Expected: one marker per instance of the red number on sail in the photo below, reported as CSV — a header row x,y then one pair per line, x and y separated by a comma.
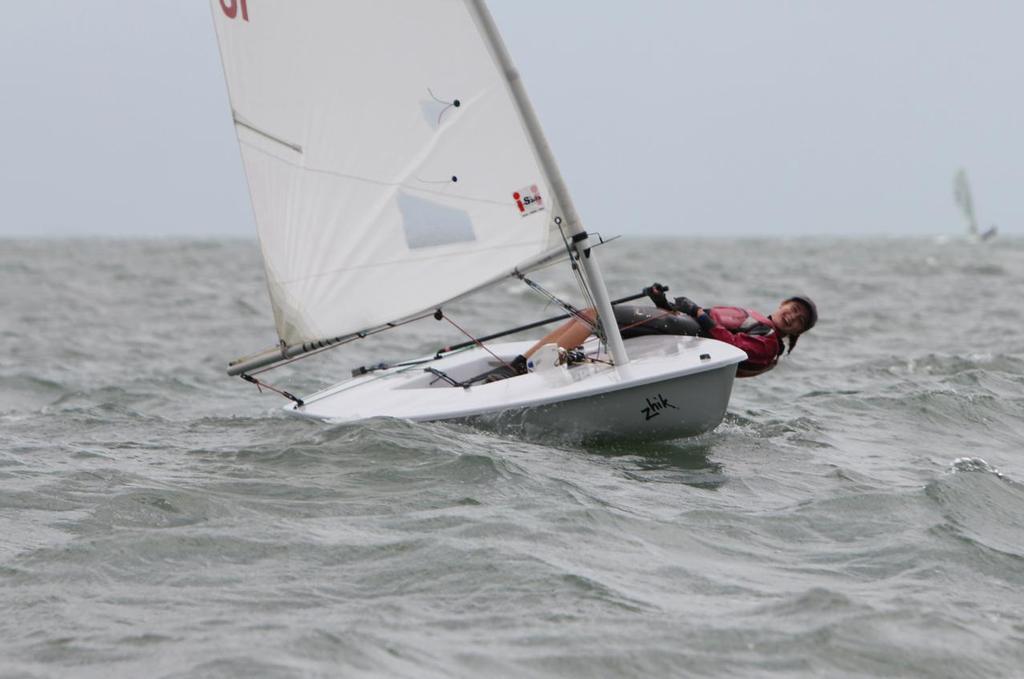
x,y
230,8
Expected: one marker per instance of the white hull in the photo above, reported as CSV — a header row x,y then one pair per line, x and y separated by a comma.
x,y
672,387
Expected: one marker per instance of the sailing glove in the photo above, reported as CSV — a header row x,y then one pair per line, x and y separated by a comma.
x,y
687,306
656,292
706,323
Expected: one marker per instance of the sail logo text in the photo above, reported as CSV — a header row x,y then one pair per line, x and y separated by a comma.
x,y
655,407
528,200
230,8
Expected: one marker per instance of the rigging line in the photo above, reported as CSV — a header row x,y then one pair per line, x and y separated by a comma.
x,y
565,241
573,311
552,298
585,291
575,267
353,338
663,314
263,385
504,333
582,283
475,340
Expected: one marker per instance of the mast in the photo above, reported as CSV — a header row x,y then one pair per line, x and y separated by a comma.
x,y
580,238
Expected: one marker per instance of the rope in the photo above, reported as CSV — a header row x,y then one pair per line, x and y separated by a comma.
x,y
580,281
573,311
475,340
358,336
263,385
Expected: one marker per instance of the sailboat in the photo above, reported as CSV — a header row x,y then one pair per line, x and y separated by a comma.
x,y
395,163
962,196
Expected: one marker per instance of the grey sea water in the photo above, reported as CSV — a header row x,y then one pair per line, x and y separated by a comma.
x,y
860,512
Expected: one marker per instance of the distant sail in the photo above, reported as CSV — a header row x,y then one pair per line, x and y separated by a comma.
x,y
962,195
388,164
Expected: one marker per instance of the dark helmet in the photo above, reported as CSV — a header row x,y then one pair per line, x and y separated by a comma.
x,y
812,309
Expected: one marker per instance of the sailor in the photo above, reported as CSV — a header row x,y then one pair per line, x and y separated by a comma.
x,y
760,336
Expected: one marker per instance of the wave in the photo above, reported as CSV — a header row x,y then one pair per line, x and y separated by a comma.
x,y
982,507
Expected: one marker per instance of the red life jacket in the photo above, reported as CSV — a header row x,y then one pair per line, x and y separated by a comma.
x,y
734,319
749,322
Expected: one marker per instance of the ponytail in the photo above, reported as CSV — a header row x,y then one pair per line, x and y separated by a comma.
x,y
792,343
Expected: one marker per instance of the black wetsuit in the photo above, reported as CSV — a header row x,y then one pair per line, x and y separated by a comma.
x,y
635,321
747,330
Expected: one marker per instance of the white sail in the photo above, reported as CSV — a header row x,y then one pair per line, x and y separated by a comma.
x,y
388,165
962,196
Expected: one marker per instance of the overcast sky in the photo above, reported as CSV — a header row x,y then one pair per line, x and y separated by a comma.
x,y
667,116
